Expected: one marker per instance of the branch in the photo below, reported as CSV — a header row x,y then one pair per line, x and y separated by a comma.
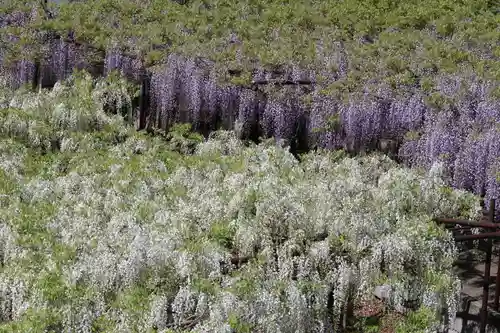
x,y
238,261
282,82
188,323
48,13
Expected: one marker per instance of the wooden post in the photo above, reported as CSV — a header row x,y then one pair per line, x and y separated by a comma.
x,y
497,281
487,270
486,286
144,101
36,77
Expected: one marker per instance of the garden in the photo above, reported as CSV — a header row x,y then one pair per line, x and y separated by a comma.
x,y
219,168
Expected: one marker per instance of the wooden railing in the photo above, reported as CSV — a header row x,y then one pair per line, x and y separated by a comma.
x,y
490,231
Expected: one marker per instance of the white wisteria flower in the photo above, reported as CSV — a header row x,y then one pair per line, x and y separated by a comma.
x,y
124,235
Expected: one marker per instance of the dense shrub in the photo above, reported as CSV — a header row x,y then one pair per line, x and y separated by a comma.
x,y
422,73
126,235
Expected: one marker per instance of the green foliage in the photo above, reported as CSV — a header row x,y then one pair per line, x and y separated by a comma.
x,y
412,135
134,301
223,234
368,325
333,123
51,285
238,325
181,138
8,185
184,131
407,35
44,320
103,324
418,321
438,101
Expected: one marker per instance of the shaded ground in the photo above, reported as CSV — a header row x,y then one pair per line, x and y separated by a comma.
x,y
470,268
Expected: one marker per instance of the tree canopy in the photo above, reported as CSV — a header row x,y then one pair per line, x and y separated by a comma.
x,y
399,42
